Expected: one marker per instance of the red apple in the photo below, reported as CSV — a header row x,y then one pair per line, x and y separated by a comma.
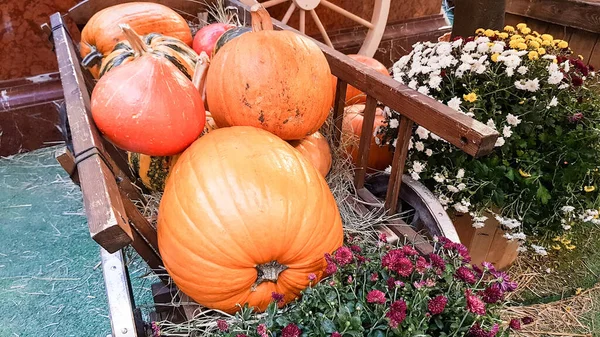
x,y
207,36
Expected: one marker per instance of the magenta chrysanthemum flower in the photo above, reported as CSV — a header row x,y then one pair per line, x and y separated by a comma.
x,y
422,265
312,277
488,266
515,324
360,259
241,335
343,256
376,296
331,268
504,280
527,320
463,252
474,303
404,267
261,329
155,329
291,330
437,304
492,294
397,313
383,237
494,330
350,279
277,297
356,248
466,275
222,325
374,277
410,251
438,262
390,260
477,331
336,334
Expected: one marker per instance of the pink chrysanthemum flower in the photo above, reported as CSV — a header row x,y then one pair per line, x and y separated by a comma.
x,y
474,303
374,277
437,304
291,330
492,294
466,275
515,324
422,265
410,251
404,267
312,277
277,297
376,296
336,334
390,259
397,313
241,335
438,262
222,325
343,256
261,329
356,248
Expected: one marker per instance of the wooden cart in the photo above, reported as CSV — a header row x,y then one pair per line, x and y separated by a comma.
x,y
108,185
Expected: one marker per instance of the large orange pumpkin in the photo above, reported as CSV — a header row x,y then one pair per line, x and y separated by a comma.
x,y
274,80
380,157
353,95
244,215
102,33
316,149
149,106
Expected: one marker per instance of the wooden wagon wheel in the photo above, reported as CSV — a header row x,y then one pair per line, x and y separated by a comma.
x,y
376,26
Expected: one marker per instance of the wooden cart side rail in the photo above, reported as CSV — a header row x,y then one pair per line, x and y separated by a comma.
x,y
580,14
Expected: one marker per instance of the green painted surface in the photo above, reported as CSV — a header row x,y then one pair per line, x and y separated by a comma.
x,y
51,281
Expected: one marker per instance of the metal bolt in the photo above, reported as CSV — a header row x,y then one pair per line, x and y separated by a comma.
x,y
124,330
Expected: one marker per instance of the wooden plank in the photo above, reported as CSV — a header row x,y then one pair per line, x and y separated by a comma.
x,y
365,142
84,10
582,43
571,13
67,162
106,216
369,199
393,193
513,20
470,15
558,32
537,25
402,229
338,111
595,55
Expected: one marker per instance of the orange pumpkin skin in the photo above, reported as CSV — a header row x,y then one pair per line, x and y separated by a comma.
x,y
238,198
353,95
102,33
278,81
316,149
380,157
148,106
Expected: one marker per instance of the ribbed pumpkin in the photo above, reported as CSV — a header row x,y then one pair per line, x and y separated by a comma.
x,y
353,95
229,35
148,106
244,215
279,81
102,33
316,149
177,52
380,157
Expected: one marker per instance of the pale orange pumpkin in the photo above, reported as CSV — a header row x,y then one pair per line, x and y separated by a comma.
x,y
380,157
353,95
278,81
316,149
244,215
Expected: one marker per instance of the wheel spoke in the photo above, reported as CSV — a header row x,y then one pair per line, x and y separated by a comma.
x,y
321,28
272,3
347,14
289,13
302,21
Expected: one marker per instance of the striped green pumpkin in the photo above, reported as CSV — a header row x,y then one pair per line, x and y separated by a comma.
x,y
229,35
174,50
152,170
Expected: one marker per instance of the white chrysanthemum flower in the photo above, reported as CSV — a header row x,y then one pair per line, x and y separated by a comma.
x,y
452,188
444,48
511,61
429,152
522,70
415,176
553,102
521,249
419,146
396,141
555,77
422,132
553,67
467,59
470,46
454,103
444,200
500,142
403,61
567,66
460,174
483,48
387,111
461,186
513,120
446,61
539,250
563,86
438,177
566,227
507,132
457,43
519,236
413,84
478,225
567,209
388,170
434,136
549,57
491,123
394,123
482,39
520,85
461,208
399,78
497,48
418,166
510,72
435,81
507,236
529,85
482,218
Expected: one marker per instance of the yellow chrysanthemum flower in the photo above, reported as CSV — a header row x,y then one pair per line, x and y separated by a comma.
x,y
555,61
534,44
521,25
546,43
489,33
529,37
533,55
565,241
472,97
556,247
495,57
571,247
563,44
541,51
479,31
581,58
525,30
589,189
524,174
556,239
503,36
522,102
578,291
509,28
514,43
522,45
538,40
547,37
516,37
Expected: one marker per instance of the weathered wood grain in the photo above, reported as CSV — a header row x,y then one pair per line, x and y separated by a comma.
x,y
580,14
365,142
338,111
469,15
107,218
393,192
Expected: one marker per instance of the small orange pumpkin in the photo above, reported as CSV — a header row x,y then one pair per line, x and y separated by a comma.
x,y
278,81
244,215
316,149
380,157
353,95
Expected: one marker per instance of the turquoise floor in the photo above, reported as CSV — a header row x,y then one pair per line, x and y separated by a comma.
x,y
50,276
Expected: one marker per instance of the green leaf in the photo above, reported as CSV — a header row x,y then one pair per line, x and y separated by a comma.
x,y
510,175
542,194
328,326
439,323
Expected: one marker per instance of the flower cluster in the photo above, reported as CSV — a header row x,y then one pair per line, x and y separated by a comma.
x,y
391,291
543,102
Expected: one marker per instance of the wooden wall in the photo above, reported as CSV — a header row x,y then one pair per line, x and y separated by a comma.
x,y
575,21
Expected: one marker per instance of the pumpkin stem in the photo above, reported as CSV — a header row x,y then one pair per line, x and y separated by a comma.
x,y
136,42
200,72
261,20
268,272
